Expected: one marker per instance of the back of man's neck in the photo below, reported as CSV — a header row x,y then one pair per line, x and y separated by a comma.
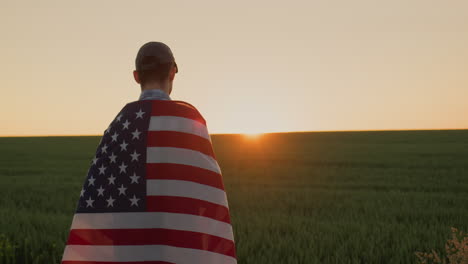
x,y
156,87
154,94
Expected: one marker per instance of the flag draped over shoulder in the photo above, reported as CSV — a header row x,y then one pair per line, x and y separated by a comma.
x,y
154,193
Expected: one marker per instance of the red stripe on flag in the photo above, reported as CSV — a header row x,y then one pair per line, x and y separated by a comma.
x,y
176,108
111,262
184,205
152,236
175,171
179,140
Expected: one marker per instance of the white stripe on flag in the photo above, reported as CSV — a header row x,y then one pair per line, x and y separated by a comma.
x,y
144,253
179,124
139,220
181,156
186,189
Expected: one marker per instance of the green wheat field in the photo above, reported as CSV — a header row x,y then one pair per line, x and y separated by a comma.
x,y
319,197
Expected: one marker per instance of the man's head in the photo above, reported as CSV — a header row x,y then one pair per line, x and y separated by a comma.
x,y
155,67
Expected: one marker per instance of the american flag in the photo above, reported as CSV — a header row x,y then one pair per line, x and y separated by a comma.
x,y
154,193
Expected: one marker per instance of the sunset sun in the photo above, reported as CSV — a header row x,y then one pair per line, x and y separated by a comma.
x,y
252,135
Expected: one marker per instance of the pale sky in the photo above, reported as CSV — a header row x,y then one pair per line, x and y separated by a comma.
x,y
248,66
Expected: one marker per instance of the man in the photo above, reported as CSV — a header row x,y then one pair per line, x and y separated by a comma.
x,y
154,192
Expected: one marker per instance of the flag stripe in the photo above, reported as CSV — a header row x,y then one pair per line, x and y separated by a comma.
x,y
178,124
142,253
183,205
181,156
185,173
152,236
180,140
136,220
186,189
174,108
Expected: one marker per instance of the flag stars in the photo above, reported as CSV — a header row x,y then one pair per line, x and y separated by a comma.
x,y
123,146
91,180
89,202
126,124
112,158
104,149
139,114
102,169
118,117
134,178
100,191
115,175
111,179
107,130
123,168
135,156
122,190
110,201
134,201
136,134
114,137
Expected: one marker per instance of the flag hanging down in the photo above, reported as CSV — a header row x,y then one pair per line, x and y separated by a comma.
x,y
154,193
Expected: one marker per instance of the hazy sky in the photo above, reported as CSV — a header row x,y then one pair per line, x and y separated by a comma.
x,y
248,66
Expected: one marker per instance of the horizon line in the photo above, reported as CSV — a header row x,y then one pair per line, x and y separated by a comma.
x,y
261,133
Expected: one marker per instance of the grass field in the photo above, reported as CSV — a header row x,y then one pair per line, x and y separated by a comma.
x,y
331,197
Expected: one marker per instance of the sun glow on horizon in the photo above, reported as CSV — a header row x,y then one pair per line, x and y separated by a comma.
x,y
252,135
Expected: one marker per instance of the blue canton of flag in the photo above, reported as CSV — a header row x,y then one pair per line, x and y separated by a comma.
x,y
116,178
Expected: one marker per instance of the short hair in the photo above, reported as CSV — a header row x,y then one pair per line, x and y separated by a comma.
x,y
158,74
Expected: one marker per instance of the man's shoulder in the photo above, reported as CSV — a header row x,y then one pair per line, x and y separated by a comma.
x,y
163,103
188,110
170,108
185,104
